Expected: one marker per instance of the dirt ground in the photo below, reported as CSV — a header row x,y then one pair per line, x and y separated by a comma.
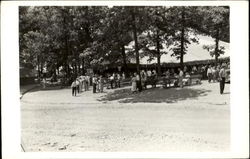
x,y
195,118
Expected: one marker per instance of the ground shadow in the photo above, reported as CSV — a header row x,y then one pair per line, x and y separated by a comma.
x,y
155,95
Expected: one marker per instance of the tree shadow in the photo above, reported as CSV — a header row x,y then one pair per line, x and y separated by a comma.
x,y
155,95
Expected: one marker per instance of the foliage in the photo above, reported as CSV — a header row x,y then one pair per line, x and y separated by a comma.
x,y
72,38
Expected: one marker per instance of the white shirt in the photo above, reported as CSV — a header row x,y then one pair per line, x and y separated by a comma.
x,y
209,70
181,74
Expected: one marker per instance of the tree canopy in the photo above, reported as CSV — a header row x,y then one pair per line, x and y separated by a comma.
x,y
71,39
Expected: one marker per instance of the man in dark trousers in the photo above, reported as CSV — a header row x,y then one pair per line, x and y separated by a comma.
x,y
222,77
94,81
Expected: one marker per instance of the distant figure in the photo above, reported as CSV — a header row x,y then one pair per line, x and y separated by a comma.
x,y
168,82
181,74
194,70
97,84
44,83
123,76
94,82
73,86
222,77
214,73
111,79
143,80
217,73
133,80
149,73
185,69
78,85
209,73
186,80
118,80
101,83
138,84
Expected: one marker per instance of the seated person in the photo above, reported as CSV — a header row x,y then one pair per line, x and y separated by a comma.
x,y
186,80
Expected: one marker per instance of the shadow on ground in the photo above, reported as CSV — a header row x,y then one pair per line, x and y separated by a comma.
x,y
155,95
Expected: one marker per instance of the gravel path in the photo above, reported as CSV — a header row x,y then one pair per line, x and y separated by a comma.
x,y
55,121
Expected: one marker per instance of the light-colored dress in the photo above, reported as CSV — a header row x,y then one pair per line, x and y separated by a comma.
x,y
133,89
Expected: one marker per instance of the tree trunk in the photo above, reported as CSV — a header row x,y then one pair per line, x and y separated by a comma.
x,y
66,51
136,42
216,54
158,53
182,38
124,60
83,71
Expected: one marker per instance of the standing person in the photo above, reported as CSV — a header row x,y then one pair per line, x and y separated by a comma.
x,y
94,81
209,73
44,82
97,84
217,73
84,83
73,86
138,84
123,76
118,80
78,85
194,70
168,82
133,80
101,83
143,80
222,77
87,82
111,79
214,73
149,73
181,74
185,69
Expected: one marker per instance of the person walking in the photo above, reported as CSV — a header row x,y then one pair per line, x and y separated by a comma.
x,y
73,86
222,77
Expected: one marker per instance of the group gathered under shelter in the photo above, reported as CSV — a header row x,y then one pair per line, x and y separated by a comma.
x,y
170,78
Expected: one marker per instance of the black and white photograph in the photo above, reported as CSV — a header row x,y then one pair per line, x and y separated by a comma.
x,y
125,78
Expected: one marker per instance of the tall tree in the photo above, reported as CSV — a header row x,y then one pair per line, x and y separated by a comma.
x,y
216,24
182,20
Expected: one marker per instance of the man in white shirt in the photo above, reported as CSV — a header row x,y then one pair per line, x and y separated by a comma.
x,y
209,73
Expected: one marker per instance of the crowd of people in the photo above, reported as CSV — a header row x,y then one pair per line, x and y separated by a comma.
x,y
82,83
179,78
